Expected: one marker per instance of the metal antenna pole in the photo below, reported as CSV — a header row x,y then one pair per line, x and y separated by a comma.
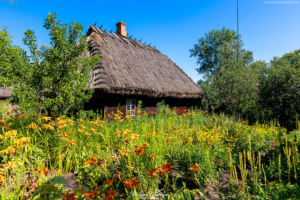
x,y
238,31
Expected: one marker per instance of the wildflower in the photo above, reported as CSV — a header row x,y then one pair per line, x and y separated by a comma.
x,y
2,179
134,136
9,149
63,134
195,168
4,126
70,196
218,160
10,165
132,183
153,156
117,133
32,125
138,152
165,168
91,161
61,156
126,132
143,146
110,182
92,194
100,163
152,172
109,195
125,153
12,133
22,141
88,134
43,171
46,118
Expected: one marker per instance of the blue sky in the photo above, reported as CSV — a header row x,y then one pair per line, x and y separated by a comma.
x,y
268,28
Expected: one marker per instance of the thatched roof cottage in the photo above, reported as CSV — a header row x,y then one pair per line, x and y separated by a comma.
x,y
131,71
4,93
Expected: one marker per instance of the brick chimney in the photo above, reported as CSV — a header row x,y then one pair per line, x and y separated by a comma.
x,y
121,29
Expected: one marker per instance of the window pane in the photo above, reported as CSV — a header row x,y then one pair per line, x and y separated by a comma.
x,y
132,113
132,107
128,113
127,107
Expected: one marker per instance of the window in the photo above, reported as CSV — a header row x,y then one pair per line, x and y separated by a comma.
x,y
130,107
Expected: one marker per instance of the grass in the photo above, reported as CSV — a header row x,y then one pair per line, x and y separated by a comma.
x,y
165,156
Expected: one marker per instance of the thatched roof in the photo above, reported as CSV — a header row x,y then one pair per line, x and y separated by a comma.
x,y
131,67
4,93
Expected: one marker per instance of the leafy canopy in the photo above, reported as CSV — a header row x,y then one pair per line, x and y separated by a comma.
x,y
55,77
235,84
207,48
280,89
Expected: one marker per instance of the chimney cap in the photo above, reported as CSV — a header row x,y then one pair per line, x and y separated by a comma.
x,y
121,23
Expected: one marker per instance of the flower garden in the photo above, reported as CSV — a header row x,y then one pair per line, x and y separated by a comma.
x,y
166,156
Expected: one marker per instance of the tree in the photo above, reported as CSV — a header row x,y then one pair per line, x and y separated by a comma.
x,y
10,1
235,85
53,78
280,89
11,58
293,57
207,48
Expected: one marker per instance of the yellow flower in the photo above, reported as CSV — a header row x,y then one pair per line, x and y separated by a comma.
x,y
61,156
9,149
10,165
32,125
12,133
22,141
88,134
134,136
46,118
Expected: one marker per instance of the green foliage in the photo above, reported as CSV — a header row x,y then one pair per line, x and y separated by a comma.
x,y
280,90
207,48
10,1
48,190
51,78
211,101
235,84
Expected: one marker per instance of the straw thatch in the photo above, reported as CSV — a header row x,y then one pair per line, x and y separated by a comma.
x,y
129,67
4,93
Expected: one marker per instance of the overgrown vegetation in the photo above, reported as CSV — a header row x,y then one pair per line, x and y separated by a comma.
x,y
255,89
168,155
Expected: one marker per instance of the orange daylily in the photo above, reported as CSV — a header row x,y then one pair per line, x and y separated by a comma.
x,y
152,172
109,182
43,171
195,168
46,118
12,133
91,161
132,183
92,194
9,149
165,168
10,165
153,156
134,136
138,152
109,195
143,146
125,153
32,125
22,141
70,196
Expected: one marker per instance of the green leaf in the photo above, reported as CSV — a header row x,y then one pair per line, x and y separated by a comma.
x,y
59,180
56,196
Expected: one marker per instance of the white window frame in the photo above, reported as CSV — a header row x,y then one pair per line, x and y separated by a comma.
x,y
130,103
